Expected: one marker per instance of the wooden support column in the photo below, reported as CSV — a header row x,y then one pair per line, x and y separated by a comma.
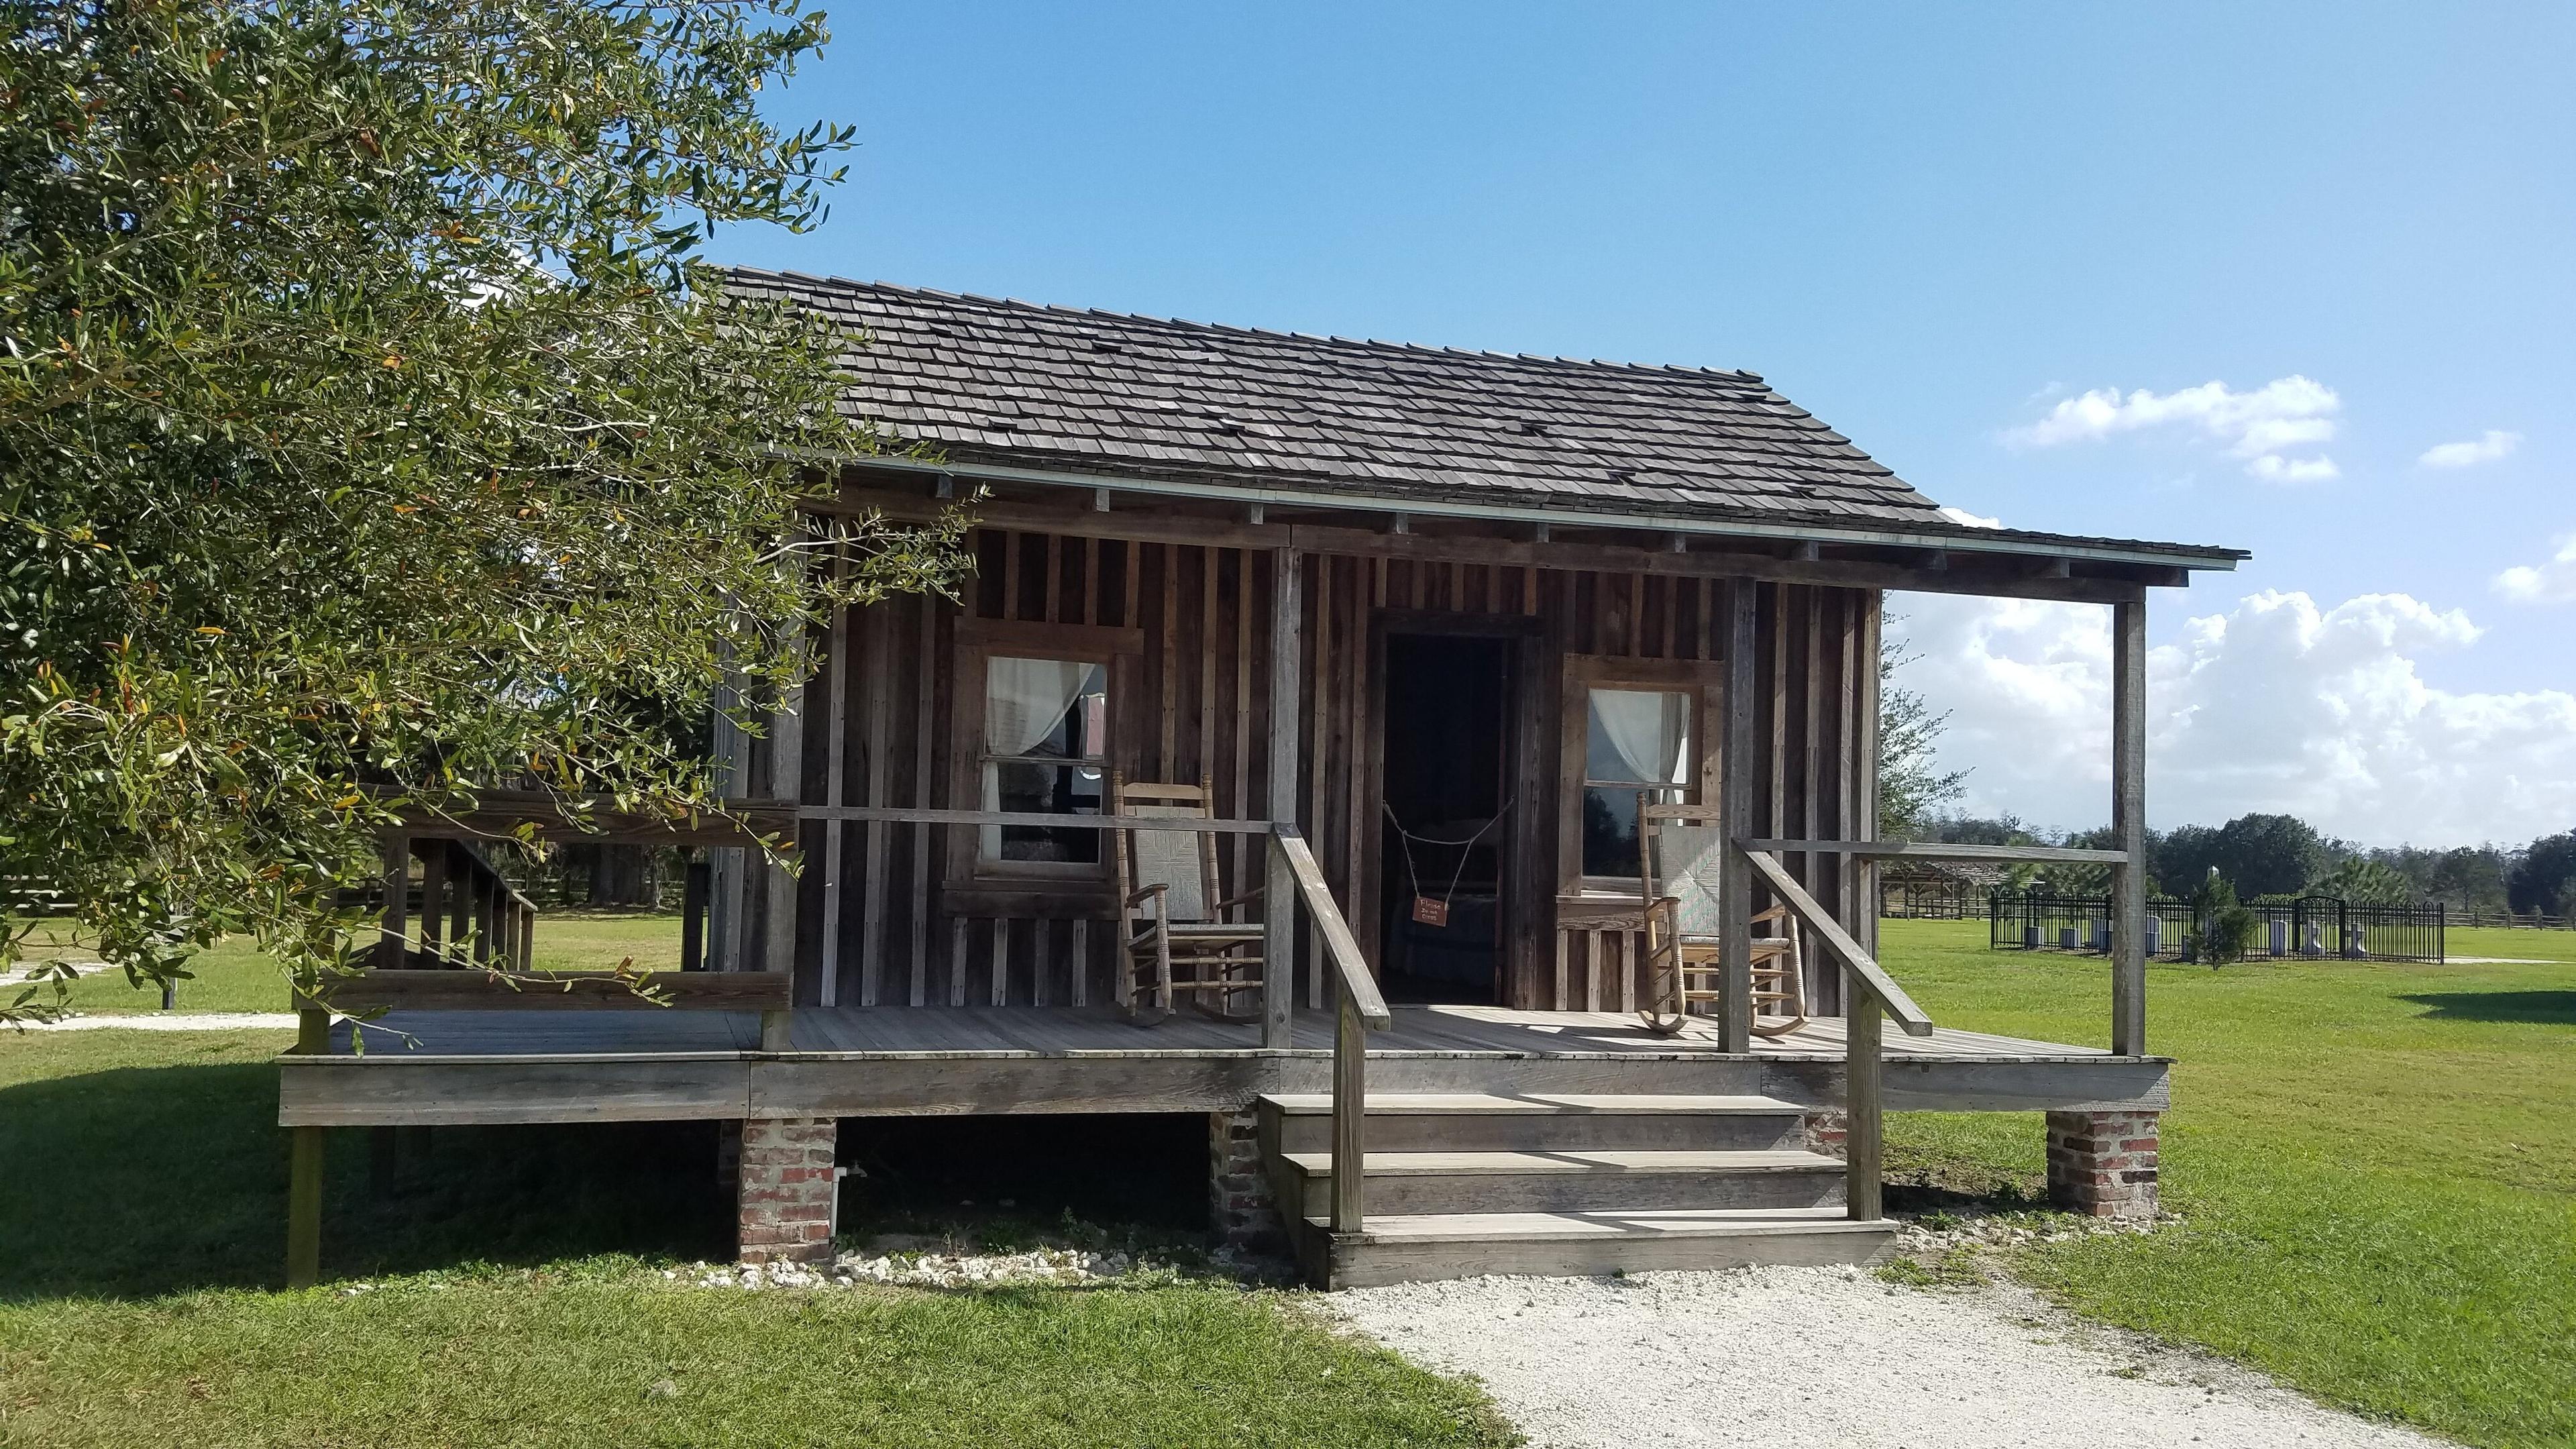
x,y
693,915
1279,895
2129,828
304,1168
1866,654
1864,1129
1350,1114
786,782
393,937
461,878
1734,742
433,900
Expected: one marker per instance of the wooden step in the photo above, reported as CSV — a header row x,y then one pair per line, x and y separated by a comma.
x,y
1401,1248
1590,1179
1486,1122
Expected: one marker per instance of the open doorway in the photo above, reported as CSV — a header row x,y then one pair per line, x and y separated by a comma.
x,y
1443,836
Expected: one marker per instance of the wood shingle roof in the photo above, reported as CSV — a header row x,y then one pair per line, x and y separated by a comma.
x,y
1078,391
984,378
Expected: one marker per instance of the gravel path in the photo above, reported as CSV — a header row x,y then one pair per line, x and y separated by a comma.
x,y
171,1021
1695,1359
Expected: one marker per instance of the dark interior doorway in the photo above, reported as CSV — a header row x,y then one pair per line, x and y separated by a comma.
x,y
1446,788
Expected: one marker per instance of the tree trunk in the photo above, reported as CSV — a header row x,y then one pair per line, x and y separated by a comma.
x,y
620,875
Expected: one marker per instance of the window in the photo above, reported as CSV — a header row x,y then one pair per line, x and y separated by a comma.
x,y
1045,752
1039,711
1630,727
1635,740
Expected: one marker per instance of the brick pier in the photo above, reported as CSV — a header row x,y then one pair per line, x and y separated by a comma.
x,y
1241,1212
2103,1163
786,1190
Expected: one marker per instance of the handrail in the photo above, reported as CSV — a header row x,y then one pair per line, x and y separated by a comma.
x,y
524,990
1858,961
501,919
1340,946
1867,992
909,815
1358,1008
1935,850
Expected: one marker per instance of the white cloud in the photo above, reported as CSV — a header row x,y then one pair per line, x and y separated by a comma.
x,y
2276,704
2552,581
1965,519
2293,470
2259,427
2496,444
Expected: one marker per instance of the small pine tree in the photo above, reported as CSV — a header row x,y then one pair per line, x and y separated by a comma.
x,y
2226,927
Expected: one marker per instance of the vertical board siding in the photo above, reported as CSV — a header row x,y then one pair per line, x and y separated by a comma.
x,y
873,908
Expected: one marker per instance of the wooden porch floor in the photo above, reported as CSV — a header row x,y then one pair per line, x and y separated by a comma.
x,y
582,1066
1072,1031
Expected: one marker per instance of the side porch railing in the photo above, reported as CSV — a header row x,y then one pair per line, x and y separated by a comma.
x,y
1870,994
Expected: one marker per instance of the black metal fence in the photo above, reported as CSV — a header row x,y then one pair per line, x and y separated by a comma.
x,y
2285,928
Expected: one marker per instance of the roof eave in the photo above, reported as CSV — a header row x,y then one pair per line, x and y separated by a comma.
x,y
1273,492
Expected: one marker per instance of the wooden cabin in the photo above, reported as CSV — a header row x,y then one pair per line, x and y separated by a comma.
x,y
1427,627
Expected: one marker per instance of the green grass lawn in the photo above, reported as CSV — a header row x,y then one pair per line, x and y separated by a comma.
x,y
235,977
2377,1165
515,1298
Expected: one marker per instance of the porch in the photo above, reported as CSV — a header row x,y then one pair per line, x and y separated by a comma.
x,y
482,1067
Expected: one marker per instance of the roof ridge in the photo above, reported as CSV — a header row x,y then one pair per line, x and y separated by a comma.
x,y
1230,329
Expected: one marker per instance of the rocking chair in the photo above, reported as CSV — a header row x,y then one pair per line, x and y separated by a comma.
x,y
1682,923
1170,935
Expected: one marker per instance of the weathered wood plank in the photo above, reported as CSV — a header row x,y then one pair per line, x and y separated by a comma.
x,y
1735,743
470,990
1855,957
388,1091
1285,871
1996,574
2129,829
1933,850
924,712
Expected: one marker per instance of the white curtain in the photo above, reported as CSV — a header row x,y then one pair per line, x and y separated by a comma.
x,y
1647,732
1024,701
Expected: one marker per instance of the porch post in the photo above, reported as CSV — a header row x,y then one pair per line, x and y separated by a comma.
x,y
1735,812
786,785
304,1167
2129,828
1279,894
393,933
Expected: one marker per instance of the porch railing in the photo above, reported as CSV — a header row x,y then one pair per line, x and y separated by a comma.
x,y
1870,993
1359,1008
1867,992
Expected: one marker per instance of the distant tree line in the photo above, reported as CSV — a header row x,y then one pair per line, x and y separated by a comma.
x,y
2278,855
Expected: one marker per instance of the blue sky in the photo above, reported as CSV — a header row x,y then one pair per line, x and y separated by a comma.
x,y
1932,226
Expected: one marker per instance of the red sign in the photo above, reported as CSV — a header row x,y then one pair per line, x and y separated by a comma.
x,y
1430,912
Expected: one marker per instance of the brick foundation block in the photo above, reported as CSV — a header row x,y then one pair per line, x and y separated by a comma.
x,y
785,1189
1242,1215
1828,1130
2103,1164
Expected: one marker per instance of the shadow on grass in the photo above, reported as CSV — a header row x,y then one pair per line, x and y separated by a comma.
x,y
1922,1194
2539,1008
141,1181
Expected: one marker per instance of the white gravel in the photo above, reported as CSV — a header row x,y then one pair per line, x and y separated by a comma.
x,y
1831,1356
171,1021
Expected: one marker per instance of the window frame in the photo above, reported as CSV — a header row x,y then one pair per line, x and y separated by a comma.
x,y
1118,651
1703,681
